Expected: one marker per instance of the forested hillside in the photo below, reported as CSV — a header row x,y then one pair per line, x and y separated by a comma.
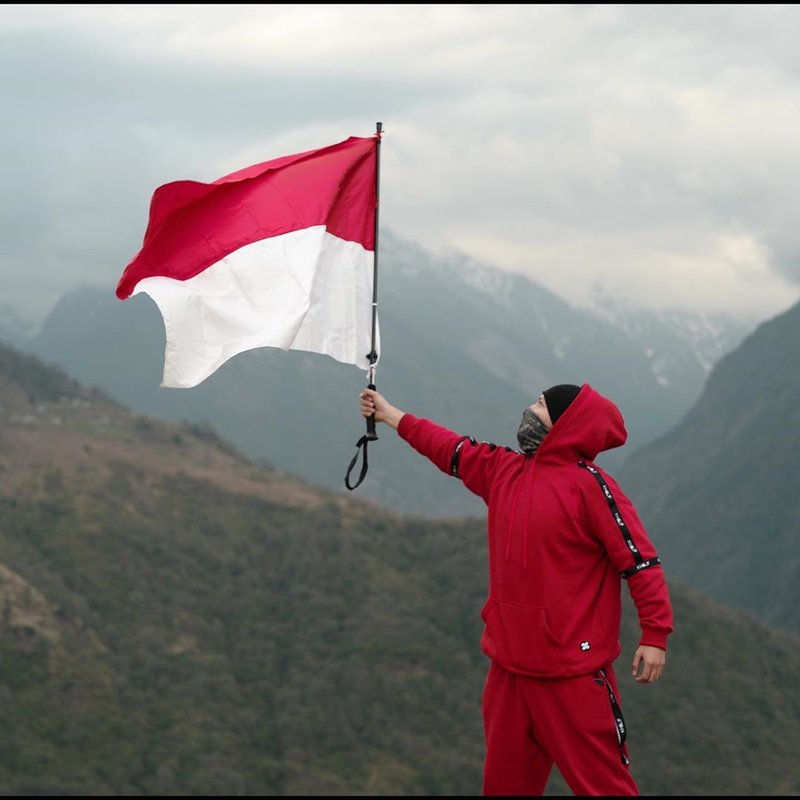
x,y
178,619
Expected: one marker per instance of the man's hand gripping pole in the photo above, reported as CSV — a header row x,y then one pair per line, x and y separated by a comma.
x,y
370,435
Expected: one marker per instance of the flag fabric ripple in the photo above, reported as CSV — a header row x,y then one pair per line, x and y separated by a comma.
x,y
279,254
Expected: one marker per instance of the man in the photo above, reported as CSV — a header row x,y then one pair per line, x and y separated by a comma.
x,y
561,536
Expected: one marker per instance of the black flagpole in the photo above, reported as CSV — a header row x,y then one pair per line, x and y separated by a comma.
x,y
373,355
370,435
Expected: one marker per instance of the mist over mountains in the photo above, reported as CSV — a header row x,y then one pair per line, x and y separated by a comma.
x,y
462,343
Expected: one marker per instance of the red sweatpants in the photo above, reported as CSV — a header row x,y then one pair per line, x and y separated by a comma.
x,y
532,723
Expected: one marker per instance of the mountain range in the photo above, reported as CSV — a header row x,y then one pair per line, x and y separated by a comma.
x,y
181,619
460,342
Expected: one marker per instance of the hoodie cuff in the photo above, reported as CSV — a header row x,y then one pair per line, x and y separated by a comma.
x,y
652,637
405,425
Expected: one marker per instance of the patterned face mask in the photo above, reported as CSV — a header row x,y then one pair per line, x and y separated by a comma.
x,y
531,432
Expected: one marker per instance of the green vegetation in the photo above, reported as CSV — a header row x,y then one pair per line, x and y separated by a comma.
x,y
165,633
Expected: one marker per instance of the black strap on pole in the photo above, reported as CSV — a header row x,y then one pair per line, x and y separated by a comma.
x,y
370,435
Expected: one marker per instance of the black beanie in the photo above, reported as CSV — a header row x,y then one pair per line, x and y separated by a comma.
x,y
558,399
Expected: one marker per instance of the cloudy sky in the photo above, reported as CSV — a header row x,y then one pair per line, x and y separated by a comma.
x,y
645,152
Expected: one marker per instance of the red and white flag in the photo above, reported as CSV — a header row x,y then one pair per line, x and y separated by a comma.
x,y
279,254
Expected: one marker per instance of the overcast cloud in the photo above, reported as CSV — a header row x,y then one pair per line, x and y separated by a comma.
x,y
648,152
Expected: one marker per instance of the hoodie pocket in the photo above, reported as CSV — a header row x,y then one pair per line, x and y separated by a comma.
x,y
519,638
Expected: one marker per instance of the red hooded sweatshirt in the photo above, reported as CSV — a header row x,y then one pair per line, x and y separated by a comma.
x,y
562,536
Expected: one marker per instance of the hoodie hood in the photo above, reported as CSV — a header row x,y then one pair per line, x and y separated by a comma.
x,y
590,425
